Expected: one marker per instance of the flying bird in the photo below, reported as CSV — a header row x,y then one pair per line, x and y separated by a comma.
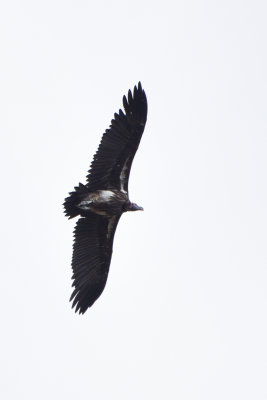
x,y
103,199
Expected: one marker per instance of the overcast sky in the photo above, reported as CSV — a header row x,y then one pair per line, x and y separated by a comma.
x,y
183,315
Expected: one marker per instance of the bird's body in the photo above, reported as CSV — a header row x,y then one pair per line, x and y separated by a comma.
x,y
103,200
106,202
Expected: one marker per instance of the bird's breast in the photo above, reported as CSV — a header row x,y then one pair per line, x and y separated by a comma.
x,y
104,202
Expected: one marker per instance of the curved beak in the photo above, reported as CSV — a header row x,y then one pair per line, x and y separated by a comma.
x,y
135,207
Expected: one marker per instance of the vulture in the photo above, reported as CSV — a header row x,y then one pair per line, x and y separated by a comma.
x,y
103,199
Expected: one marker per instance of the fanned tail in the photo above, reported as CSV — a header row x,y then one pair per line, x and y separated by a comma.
x,y
70,204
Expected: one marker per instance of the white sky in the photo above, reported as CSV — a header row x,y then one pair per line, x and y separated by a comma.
x,y
183,315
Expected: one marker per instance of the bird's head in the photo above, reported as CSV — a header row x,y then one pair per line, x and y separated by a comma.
x,y
133,207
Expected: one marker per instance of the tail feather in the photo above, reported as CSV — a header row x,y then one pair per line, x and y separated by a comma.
x,y
70,204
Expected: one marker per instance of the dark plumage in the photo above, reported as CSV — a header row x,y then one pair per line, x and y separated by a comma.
x,y
103,199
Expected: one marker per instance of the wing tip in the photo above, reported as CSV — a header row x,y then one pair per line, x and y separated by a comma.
x,y
80,305
77,304
136,102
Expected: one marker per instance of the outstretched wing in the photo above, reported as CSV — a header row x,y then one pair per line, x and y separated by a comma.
x,y
112,162
92,250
